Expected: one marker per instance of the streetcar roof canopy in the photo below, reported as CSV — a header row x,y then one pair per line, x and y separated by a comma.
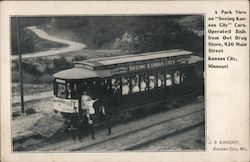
x,y
109,66
97,63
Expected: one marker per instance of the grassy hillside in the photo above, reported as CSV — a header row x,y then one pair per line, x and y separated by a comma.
x,y
29,42
130,33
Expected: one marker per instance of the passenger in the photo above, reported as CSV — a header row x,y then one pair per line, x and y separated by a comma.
x,y
159,83
143,85
84,99
177,77
89,105
117,89
125,89
75,127
136,88
183,76
106,116
116,86
168,80
108,87
69,93
61,92
151,82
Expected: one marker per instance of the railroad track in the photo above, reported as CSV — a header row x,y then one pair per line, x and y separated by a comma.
x,y
175,115
139,137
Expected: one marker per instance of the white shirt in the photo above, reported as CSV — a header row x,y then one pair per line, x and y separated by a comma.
x,y
143,86
151,84
168,82
125,90
136,88
159,83
90,106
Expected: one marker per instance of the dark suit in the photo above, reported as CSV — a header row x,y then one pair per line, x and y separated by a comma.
x,y
105,115
91,122
75,128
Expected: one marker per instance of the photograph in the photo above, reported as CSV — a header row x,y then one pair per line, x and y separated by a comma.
x,y
107,83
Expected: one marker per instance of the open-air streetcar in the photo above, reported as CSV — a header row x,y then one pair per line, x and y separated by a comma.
x,y
129,81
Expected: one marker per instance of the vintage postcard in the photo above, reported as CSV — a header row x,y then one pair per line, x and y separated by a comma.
x,y
124,81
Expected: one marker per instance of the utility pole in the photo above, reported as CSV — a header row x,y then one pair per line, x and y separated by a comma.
x,y
20,65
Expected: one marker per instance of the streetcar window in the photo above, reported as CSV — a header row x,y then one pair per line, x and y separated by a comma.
x,y
116,86
75,87
183,77
85,86
93,89
177,77
125,85
168,79
108,85
82,86
143,82
186,75
160,81
135,84
69,91
152,81
103,87
61,91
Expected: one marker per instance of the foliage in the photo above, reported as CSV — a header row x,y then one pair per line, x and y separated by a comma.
x,y
60,64
161,33
29,42
16,114
78,58
136,33
147,33
30,110
39,71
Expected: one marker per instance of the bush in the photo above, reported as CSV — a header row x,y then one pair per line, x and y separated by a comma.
x,y
15,76
46,78
15,114
30,110
78,58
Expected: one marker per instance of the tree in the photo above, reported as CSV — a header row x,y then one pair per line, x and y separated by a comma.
x,y
160,33
61,64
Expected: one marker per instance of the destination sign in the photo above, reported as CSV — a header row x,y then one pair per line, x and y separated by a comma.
x,y
151,65
65,105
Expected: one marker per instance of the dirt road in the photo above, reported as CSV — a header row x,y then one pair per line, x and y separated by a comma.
x,y
72,46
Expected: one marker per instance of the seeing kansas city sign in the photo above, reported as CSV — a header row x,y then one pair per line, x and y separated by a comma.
x,y
144,66
150,65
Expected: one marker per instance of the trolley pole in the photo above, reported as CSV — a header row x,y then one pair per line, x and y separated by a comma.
x,y
20,65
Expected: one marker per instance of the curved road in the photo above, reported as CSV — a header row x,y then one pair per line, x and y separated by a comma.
x,y
72,46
